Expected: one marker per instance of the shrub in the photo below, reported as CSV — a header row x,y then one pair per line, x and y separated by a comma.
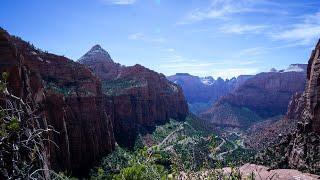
x,y
22,146
142,171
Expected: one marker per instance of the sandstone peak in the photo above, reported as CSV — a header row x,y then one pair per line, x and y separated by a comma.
x,y
96,54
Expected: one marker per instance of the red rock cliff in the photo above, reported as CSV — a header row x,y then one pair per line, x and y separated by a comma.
x,y
304,144
300,149
69,97
263,96
312,100
140,98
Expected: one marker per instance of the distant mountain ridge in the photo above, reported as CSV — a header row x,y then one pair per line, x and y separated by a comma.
x,y
263,96
202,92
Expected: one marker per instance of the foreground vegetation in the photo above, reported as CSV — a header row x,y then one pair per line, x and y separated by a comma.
x,y
174,150
22,138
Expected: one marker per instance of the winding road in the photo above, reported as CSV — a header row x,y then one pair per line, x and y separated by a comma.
x,y
173,135
220,155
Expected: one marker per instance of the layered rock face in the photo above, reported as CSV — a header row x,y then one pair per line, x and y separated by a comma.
x,y
11,62
90,111
263,96
201,93
304,144
138,97
68,97
311,114
300,149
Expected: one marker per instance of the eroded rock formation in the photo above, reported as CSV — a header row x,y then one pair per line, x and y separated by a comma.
x,y
140,98
300,149
90,111
68,97
304,145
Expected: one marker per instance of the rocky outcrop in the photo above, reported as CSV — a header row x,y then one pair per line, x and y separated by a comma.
x,y
304,144
68,97
295,107
311,114
261,97
248,171
138,97
301,148
201,93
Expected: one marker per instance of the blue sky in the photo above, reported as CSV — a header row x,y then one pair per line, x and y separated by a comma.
x,y
202,37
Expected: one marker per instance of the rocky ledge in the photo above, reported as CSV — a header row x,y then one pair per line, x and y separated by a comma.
x,y
248,171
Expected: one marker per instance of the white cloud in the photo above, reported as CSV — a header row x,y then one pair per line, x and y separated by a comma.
x,y
174,63
249,52
242,29
222,9
136,36
195,68
216,69
302,33
119,2
142,37
183,65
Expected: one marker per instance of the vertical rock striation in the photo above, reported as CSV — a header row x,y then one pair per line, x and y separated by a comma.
x,y
300,149
68,97
90,111
304,144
